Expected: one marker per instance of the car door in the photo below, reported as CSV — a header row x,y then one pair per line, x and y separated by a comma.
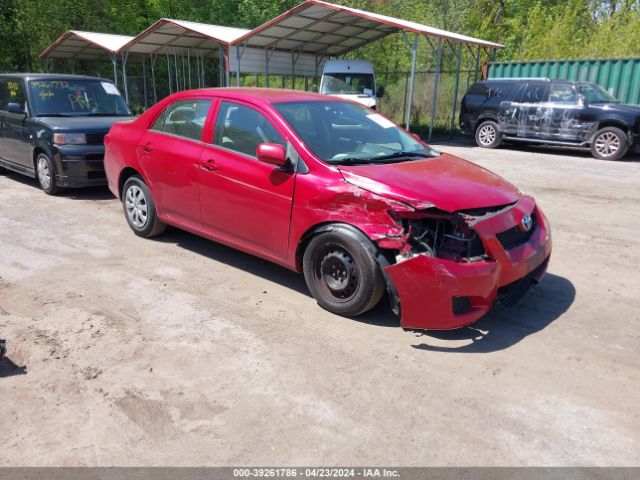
x,y
566,111
245,201
16,144
169,153
525,116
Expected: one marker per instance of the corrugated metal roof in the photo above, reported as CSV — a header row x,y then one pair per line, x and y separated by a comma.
x,y
81,45
322,28
168,35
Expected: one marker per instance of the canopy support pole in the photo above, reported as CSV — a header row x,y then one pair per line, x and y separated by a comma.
x,y
454,102
227,64
294,60
267,60
478,63
175,65
184,74
199,69
169,75
153,77
316,64
114,61
124,76
189,65
434,99
414,54
144,83
221,66
239,51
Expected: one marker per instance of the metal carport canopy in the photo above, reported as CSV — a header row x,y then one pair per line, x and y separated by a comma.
x,y
78,45
167,35
178,38
324,29
320,28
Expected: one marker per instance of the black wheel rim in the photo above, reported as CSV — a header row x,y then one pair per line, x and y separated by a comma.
x,y
336,273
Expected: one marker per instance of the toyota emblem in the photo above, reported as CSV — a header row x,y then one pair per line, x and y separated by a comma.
x,y
526,223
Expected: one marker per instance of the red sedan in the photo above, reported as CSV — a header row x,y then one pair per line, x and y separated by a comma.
x,y
333,189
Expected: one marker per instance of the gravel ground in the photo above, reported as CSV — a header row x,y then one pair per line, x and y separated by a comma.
x,y
179,351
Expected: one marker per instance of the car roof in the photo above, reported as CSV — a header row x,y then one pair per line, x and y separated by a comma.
x,y
45,76
264,95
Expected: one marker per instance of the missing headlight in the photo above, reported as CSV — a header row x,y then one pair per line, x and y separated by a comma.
x,y
443,235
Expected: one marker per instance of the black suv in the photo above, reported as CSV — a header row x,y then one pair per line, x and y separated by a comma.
x,y
52,127
553,112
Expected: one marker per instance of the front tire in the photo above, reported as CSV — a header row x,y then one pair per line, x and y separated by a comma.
x,y
488,135
342,272
609,143
139,209
46,174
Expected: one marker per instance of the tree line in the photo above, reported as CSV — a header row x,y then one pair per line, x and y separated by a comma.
x,y
529,29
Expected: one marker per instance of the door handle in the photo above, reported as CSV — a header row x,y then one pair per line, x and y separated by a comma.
x,y
209,165
148,148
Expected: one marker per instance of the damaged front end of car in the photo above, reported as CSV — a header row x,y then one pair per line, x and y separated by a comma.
x,y
446,270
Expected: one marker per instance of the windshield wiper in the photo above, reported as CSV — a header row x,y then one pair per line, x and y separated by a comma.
x,y
399,155
54,115
105,114
351,161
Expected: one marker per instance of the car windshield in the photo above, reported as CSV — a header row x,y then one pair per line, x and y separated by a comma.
x,y
348,133
347,84
77,97
595,94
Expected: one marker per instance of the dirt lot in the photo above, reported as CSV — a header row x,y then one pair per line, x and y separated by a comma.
x,y
178,351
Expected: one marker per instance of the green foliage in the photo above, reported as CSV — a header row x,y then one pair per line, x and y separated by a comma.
x,y
529,29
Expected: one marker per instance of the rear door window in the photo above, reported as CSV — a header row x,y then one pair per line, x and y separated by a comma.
x,y
533,92
184,118
12,91
564,94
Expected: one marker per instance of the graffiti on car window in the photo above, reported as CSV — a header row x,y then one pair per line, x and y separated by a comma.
x,y
13,88
46,95
81,101
50,84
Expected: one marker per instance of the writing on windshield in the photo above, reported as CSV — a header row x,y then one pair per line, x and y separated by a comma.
x,y
76,98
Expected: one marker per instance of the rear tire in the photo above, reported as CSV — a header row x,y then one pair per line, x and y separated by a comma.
x,y
46,174
488,135
139,209
342,273
609,143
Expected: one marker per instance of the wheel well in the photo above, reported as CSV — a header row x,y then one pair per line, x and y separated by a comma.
x,y
484,118
614,123
124,175
316,230
36,151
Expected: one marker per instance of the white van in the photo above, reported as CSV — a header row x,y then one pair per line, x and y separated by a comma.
x,y
352,79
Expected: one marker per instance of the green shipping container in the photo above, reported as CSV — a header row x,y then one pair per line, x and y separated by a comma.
x,y
620,77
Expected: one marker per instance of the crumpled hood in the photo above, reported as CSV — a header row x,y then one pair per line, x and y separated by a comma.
x,y
446,182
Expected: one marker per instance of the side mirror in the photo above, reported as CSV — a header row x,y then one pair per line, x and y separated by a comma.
x,y
15,108
272,153
380,92
417,137
314,89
